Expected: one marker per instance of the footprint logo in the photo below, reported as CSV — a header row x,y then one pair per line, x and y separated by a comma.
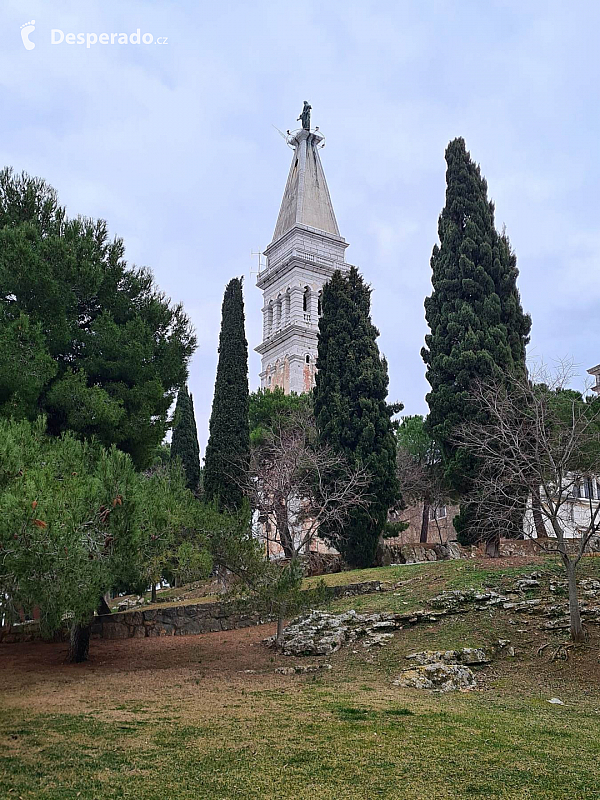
x,y
26,29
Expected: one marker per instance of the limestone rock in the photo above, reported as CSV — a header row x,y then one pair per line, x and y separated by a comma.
x,y
322,633
526,583
440,677
301,669
467,656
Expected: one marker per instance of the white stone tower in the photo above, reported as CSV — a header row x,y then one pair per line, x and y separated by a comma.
x,y
305,252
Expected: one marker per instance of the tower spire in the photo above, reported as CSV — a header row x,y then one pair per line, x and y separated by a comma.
x,y
306,199
305,252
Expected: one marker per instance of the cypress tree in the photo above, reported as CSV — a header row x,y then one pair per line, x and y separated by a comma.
x,y
351,409
184,444
478,328
228,448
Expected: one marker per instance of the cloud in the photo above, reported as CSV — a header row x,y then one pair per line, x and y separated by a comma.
x,y
175,147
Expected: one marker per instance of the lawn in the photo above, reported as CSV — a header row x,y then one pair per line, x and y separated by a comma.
x,y
207,716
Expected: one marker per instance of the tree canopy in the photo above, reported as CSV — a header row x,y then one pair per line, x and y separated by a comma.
x,y
351,409
84,339
78,520
228,448
478,329
269,406
184,444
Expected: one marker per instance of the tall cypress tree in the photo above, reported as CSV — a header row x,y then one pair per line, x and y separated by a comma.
x,y
351,409
478,328
184,444
228,448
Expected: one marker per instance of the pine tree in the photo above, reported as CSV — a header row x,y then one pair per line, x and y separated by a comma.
x,y
184,444
478,328
85,339
351,409
228,448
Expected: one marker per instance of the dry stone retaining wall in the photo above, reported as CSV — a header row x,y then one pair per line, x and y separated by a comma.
x,y
179,620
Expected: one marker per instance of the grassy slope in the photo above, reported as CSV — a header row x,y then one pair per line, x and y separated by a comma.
x,y
348,733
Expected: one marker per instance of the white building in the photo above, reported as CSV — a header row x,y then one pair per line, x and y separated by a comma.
x,y
305,252
595,371
578,506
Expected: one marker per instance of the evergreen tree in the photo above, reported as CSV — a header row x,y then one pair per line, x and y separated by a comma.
x,y
351,410
478,328
85,339
269,406
228,448
184,444
78,521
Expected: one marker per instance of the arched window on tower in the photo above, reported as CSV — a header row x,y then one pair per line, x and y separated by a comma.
x,y
308,358
319,303
306,300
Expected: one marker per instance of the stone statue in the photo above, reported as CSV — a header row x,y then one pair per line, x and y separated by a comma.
x,y
305,116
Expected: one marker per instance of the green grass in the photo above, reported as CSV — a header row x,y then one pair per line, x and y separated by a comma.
x,y
348,733
451,574
315,742
457,573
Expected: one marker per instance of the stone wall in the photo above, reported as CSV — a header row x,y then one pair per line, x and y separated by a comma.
x,y
525,547
392,552
179,620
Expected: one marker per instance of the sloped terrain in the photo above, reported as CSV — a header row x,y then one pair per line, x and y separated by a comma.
x,y
209,717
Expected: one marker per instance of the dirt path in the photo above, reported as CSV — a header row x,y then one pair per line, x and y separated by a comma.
x,y
36,677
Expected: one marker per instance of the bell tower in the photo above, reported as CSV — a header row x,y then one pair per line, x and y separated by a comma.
x,y
305,252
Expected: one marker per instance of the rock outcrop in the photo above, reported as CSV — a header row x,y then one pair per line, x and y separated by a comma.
x,y
320,633
467,656
440,677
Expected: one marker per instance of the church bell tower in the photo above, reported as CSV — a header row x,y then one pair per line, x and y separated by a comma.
x,y
305,252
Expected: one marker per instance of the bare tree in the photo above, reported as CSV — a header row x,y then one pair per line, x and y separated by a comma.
x,y
545,440
291,487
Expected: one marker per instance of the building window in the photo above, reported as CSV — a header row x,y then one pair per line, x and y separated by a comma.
x,y
319,304
269,380
576,489
306,299
437,512
588,489
307,358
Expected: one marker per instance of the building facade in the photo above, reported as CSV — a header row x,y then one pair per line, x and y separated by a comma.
x,y
305,252
595,372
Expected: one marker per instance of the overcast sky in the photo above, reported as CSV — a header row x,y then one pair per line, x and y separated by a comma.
x,y
174,145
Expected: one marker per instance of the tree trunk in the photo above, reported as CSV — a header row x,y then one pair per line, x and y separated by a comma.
x,y
283,532
103,607
538,520
425,522
492,546
80,643
153,597
577,631
279,636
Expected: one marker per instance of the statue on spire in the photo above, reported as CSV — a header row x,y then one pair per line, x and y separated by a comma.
x,y
305,115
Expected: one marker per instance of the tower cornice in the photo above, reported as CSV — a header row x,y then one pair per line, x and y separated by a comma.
x,y
317,264
286,334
